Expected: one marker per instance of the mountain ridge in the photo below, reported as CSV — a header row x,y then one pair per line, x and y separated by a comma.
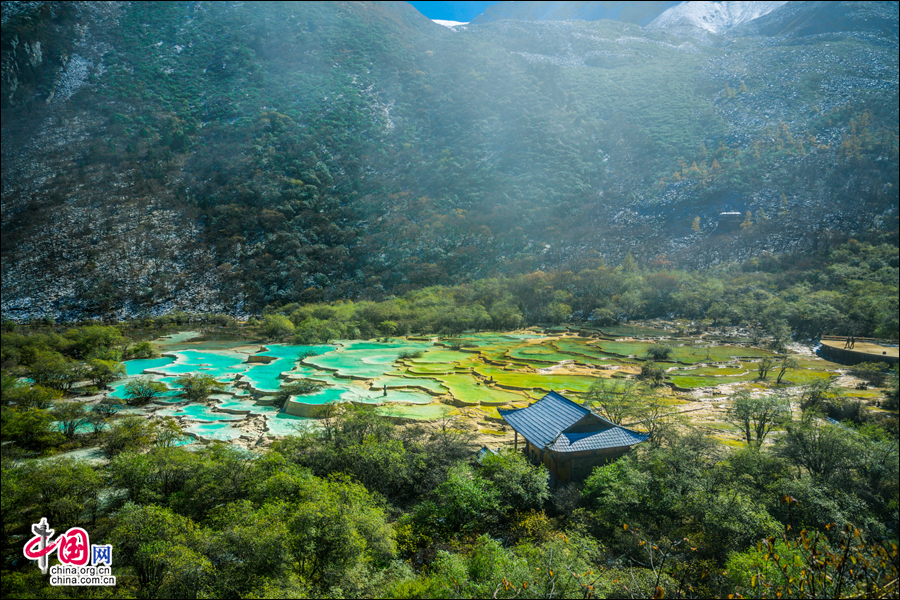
x,y
637,13
713,17
328,151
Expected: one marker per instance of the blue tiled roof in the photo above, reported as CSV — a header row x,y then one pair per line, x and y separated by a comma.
x,y
543,420
544,424
615,437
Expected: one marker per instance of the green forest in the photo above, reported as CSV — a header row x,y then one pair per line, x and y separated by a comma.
x,y
848,290
410,229
365,506
322,151
366,509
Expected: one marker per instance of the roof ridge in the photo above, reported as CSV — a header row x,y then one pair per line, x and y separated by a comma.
x,y
587,411
572,402
544,423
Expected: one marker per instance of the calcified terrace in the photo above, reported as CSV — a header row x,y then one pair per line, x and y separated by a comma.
x,y
467,377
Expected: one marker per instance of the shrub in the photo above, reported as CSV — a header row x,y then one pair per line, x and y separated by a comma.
x,y
519,485
652,373
872,373
143,390
199,386
278,326
297,388
130,434
659,352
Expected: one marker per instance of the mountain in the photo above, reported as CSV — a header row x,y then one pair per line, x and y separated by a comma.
x,y
638,13
712,17
225,156
815,18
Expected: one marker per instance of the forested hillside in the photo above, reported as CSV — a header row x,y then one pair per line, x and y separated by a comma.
x,y
224,157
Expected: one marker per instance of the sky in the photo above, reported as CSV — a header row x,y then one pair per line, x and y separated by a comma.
x,y
451,11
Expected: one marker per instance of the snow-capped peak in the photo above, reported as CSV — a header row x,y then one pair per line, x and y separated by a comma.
x,y
446,23
714,17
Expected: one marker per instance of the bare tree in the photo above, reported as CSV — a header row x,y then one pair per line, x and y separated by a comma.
x,y
615,399
786,363
765,365
758,416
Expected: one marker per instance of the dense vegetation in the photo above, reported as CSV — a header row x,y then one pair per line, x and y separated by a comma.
x,y
365,508
351,170
850,290
324,151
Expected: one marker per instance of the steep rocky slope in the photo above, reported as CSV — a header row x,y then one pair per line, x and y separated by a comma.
x,y
219,157
712,17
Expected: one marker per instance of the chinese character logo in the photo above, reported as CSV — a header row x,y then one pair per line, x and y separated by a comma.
x,y
73,548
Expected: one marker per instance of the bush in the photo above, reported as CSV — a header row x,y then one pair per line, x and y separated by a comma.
x,y
659,352
464,503
140,350
297,388
143,390
872,373
278,326
129,434
29,428
519,485
652,373
70,415
808,566
198,387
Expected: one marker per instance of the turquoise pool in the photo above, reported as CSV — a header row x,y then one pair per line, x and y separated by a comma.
x,y
282,424
137,366
214,431
198,412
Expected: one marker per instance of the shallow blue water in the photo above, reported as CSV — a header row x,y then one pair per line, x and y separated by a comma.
x,y
214,431
217,364
248,406
265,377
83,428
282,424
137,366
358,358
198,412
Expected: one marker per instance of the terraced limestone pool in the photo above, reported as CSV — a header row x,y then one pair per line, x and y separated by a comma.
x,y
198,412
431,412
426,378
283,424
136,367
222,432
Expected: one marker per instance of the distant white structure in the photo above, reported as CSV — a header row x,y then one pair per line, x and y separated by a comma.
x,y
730,220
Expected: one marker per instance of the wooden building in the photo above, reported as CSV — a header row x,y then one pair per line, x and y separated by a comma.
x,y
568,438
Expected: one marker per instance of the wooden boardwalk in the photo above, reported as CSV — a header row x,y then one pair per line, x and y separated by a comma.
x,y
864,350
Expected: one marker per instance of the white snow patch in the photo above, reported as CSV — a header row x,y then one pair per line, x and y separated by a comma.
x,y
715,17
450,23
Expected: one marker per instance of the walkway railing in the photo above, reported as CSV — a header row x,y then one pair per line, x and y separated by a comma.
x,y
843,338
